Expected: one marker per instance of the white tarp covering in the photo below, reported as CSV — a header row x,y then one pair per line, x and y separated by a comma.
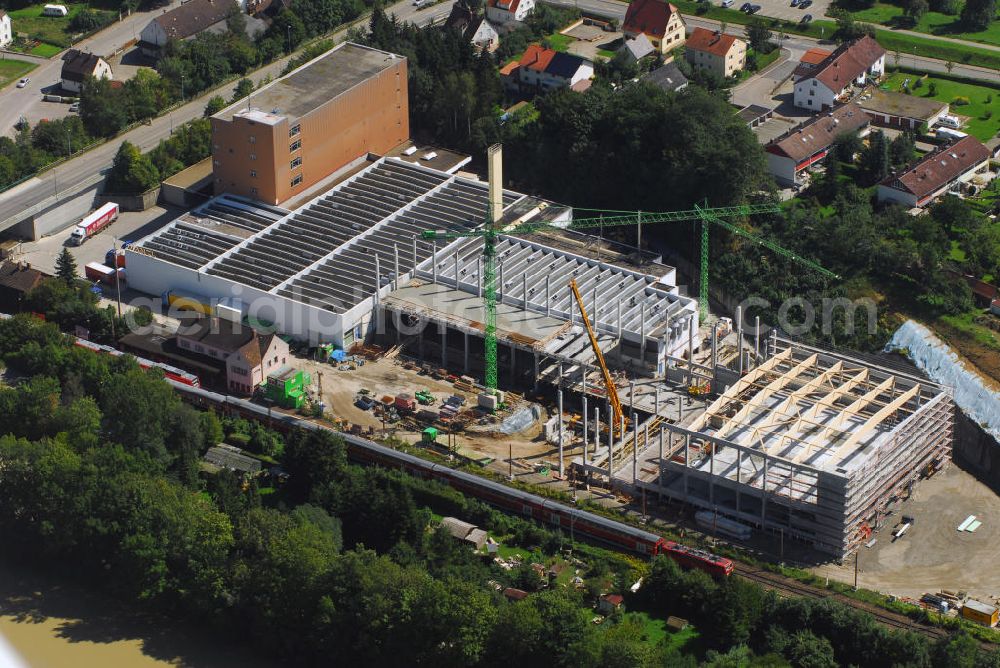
x,y
936,359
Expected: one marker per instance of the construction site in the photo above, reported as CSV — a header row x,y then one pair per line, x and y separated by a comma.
x,y
499,326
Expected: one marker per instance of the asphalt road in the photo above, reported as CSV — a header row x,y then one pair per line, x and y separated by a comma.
x,y
146,137
27,101
616,9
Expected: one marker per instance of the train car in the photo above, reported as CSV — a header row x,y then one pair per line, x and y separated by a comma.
x,y
692,557
171,372
508,499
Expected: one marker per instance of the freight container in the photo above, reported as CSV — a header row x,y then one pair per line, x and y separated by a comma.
x,y
97,272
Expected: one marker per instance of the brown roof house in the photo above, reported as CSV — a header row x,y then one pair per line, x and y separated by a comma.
x,y
17,279
78,65
936,173
249,355
608,603
660,21
716,52
797,149
852,63
182,23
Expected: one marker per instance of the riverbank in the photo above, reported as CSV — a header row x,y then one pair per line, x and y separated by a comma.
x,y
56,624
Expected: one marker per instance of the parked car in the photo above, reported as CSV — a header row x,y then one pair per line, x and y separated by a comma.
x,y
753,9
23,82
795,3
806,19
745,7
805,3
364,403
726,3
74,108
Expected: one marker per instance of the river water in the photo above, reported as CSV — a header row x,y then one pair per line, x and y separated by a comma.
x,y
45,623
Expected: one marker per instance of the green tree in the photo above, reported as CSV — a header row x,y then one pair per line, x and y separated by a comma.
x,y
902,150
978,14
102,108
806,650
876,157
66,267
244,87
759,35
214,106
915,10
132,172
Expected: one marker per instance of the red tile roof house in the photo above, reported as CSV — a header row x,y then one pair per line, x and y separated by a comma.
x,y
809,61
545,69
660,21
935,173
715,51
608,603
249,356
852,63
794,151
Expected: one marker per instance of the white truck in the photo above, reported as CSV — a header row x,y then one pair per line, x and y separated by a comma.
x,y
93,223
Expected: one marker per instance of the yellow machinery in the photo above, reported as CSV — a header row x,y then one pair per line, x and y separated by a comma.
x,y
618,416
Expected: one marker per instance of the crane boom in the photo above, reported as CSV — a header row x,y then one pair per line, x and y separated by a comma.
x,y
618,414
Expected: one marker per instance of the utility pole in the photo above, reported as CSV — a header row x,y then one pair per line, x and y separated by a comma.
x,y
857,555
510,462
118,283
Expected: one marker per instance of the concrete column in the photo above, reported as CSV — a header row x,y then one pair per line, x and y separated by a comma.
x,y
642,332
715,346
687,463
638,227
756,339
619,329
513,363
680,409
479,276
415,255
434,262
501,288
548,300
395,268
444,347
611,446
456,270
536,372
711,471
631,393
559,399
465,360
739,340
691,351
656,401
635,447
571,300
597,428
659,464
524,289
378,306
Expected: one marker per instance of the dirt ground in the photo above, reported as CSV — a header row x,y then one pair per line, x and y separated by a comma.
x,y
932,555
388,377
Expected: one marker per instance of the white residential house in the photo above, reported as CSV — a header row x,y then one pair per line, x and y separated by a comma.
x,y
659,21
795,151
935,174
503,12
78,65
853,63
183,22
6,34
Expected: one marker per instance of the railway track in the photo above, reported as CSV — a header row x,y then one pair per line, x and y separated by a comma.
x,y
786,586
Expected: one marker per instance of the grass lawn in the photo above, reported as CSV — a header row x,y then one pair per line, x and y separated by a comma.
x,y
606,54
966,325
12,70
890,40
559,42
51,29
948,90
765,59
44,50
932,23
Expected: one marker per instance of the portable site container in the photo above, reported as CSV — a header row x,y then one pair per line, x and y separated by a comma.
x,y
982,613
287,387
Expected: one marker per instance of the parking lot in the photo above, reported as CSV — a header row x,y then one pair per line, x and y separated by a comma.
x,y
589,39
782,9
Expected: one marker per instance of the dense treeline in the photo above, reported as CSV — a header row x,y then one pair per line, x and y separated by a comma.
x,y
99,477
